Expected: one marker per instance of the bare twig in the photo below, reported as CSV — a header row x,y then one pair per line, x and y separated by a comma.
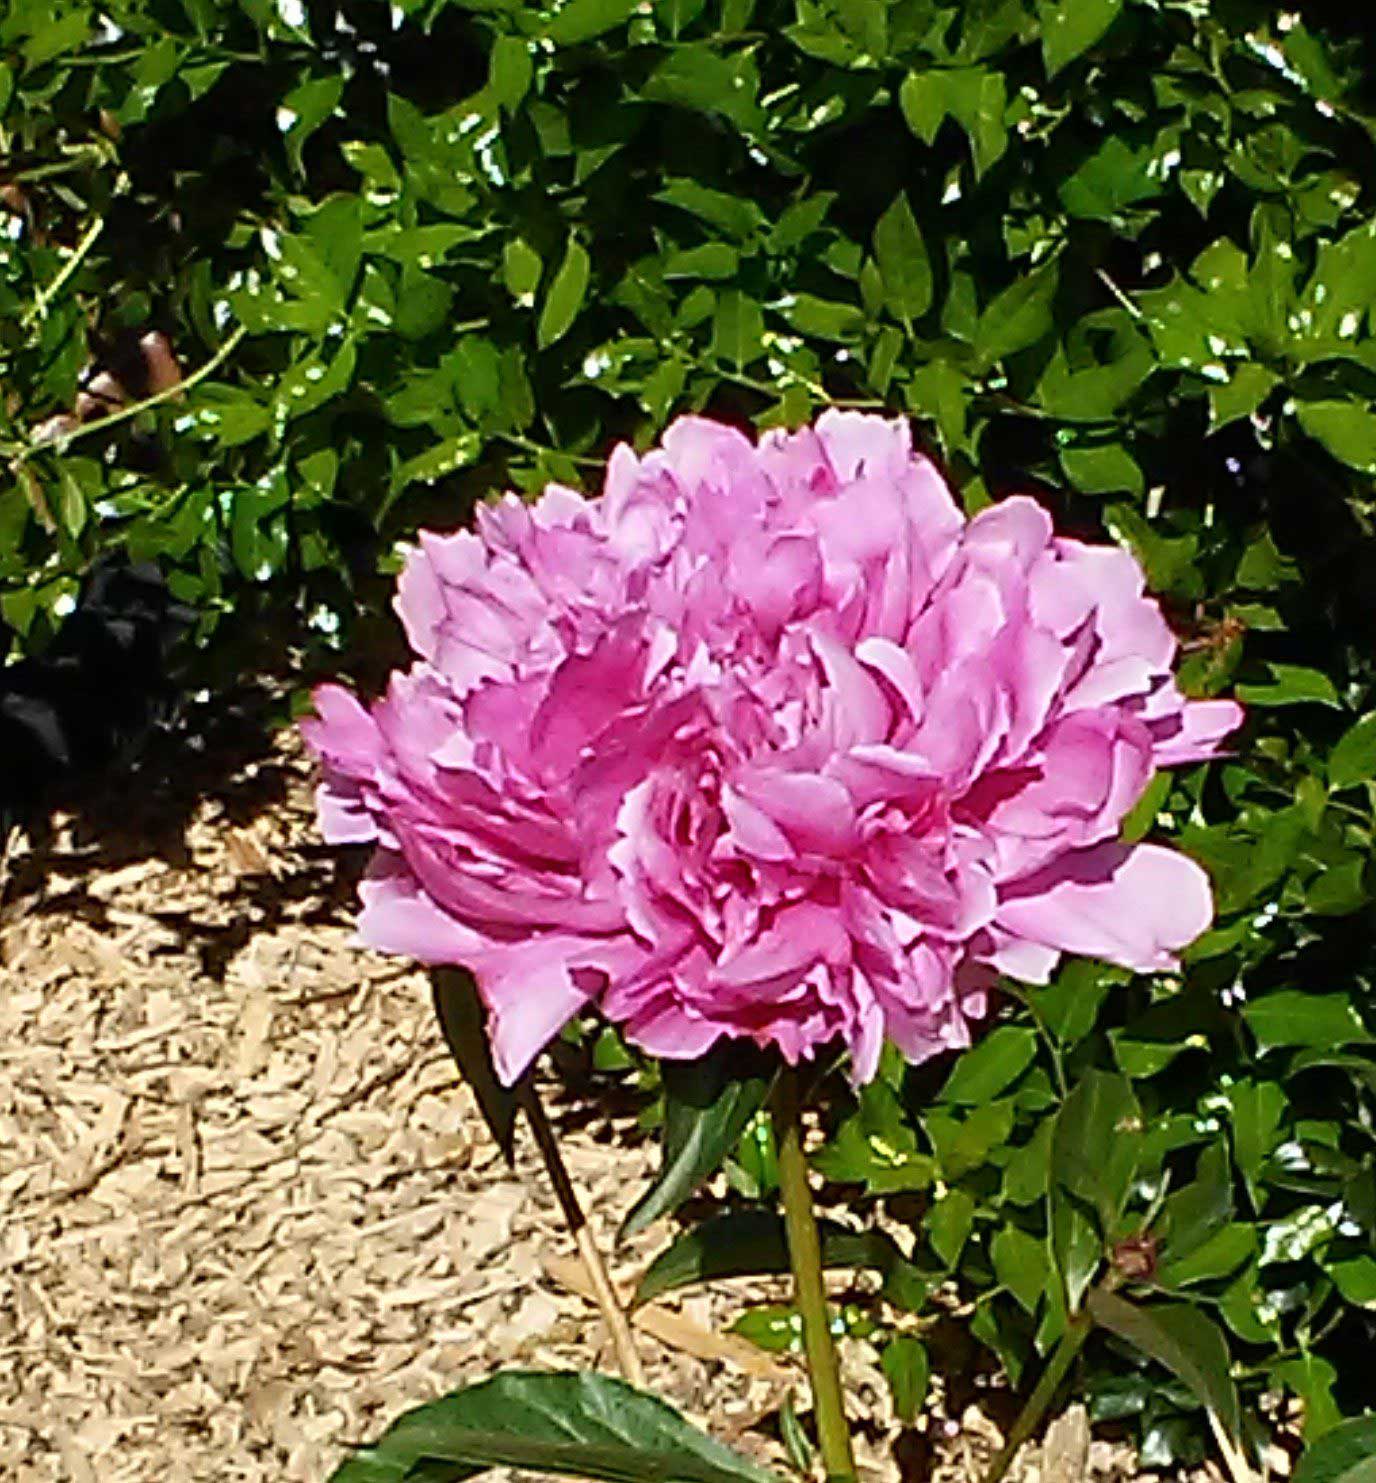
x,y
600,1282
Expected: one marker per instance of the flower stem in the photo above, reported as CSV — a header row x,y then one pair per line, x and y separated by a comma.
x,y
805,1256
604,1293
1029,1418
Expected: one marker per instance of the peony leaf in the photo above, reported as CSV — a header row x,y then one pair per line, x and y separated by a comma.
x,y
752,1243
575,1426
463,1021
1179,1336
708,1103
1291,684
1019,316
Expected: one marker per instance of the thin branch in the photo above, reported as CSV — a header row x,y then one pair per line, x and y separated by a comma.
x,y
604,1294
45,296
168,394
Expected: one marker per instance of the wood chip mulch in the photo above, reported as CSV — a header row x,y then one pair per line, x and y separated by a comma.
x,y
249,1215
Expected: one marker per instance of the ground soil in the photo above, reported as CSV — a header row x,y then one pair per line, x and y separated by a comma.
x,y
248,1213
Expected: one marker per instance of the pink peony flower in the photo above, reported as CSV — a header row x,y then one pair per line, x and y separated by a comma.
x,y
767,741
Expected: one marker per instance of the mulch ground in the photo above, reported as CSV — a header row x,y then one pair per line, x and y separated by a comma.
x,y
248,1214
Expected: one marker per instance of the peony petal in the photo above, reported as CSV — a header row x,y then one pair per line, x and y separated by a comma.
x,y
1202,725
1136,907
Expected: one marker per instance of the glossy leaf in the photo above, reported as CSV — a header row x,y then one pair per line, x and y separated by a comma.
x,y
565,296
580,1426
1097,1144
1353,758
1182,1339
1347,1454
1071,28
708,1103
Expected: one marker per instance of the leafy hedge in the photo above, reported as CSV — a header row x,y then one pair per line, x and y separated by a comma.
x,y
1118,252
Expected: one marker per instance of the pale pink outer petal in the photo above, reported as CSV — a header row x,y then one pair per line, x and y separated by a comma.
x,y
1136,907
1203,725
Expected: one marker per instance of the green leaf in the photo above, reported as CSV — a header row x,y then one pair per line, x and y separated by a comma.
x,y
698,76
1346,1454
1194,1213
303,110
565,296
1244,391
1071,27
1076,1247
583,20
949,1222
1217,1257
61,33
1292,1017
521,270
1346,429
447,456
510,71
1070,1003
774,1327
1107,468
464,1023
1353,758
737,216
582,1426
1182,1339
1258,1108
1116,175
737,329
1022,1264
1019,316
991,1065
903,262
1355,1278
707,1104
1291,684
753,1243
1097,1144
908,1371
1313,1379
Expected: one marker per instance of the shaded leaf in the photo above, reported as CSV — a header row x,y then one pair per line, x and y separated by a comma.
x,y
464,1023
752,1243
707,1104
991,1065
908,1371
1182,1339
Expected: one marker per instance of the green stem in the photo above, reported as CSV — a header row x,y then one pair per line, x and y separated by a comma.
x,y
1029,1418
100,424
78,255
805,1257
